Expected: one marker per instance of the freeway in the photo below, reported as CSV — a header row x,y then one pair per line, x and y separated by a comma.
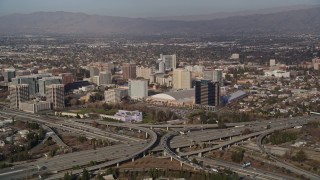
x,y
108,157
71,126
67,161
285,165
235,140
55,138
251,172
207,135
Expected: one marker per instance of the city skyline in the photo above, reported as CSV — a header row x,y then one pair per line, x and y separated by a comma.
x,y
143,8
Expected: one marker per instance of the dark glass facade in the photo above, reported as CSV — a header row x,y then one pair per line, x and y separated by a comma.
x,y
207,93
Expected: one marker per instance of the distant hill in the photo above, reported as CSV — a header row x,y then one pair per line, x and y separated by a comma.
x,y
221,15
297,21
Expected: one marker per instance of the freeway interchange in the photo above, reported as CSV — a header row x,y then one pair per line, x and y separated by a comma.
x,y
171,144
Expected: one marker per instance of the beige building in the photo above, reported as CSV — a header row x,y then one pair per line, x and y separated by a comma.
x,y
55,95
115,95
95,80
143,72
34,106
181,79
18,93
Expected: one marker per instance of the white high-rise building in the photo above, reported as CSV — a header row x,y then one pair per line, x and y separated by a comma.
x,y
138,89
218,76
105,78
55,95
162,67
272,62
181,79
18,93
169,60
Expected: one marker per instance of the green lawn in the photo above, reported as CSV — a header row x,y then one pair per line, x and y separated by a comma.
x,y
98,111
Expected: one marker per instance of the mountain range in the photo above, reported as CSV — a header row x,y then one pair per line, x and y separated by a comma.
x,y
300,21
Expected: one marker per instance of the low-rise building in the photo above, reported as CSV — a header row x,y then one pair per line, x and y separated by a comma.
x,y
129,116
34,106
115,95
277,74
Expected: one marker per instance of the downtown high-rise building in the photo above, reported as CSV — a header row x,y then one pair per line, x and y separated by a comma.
x,y
9,74
105,78
18,93
207,93
55,95
94,71
129,70
143,72
32,81
218,76
67,78
161,67
169,60
47,81
181,79
138,89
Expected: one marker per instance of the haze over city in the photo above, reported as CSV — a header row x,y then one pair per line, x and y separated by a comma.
x,y
144,8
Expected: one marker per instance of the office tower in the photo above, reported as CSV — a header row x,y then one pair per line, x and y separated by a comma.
x,y
96,80
105,78
129,70
144,72
67,78
8,74
207,93
181,79
115,95
47,81
32,81
272,62
161,67
170,61
94,71
138,89
208,75
18,93
55,95
109,67
217,76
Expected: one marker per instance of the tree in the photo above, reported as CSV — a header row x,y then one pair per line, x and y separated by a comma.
x,y
74,102
67,176
194,161
300,156
237,156
85,175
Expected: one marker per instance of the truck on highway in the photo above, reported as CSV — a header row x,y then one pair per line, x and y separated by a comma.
x,y
214,170
246,164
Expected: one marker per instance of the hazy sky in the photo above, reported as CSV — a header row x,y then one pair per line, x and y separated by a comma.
x,y
143,8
